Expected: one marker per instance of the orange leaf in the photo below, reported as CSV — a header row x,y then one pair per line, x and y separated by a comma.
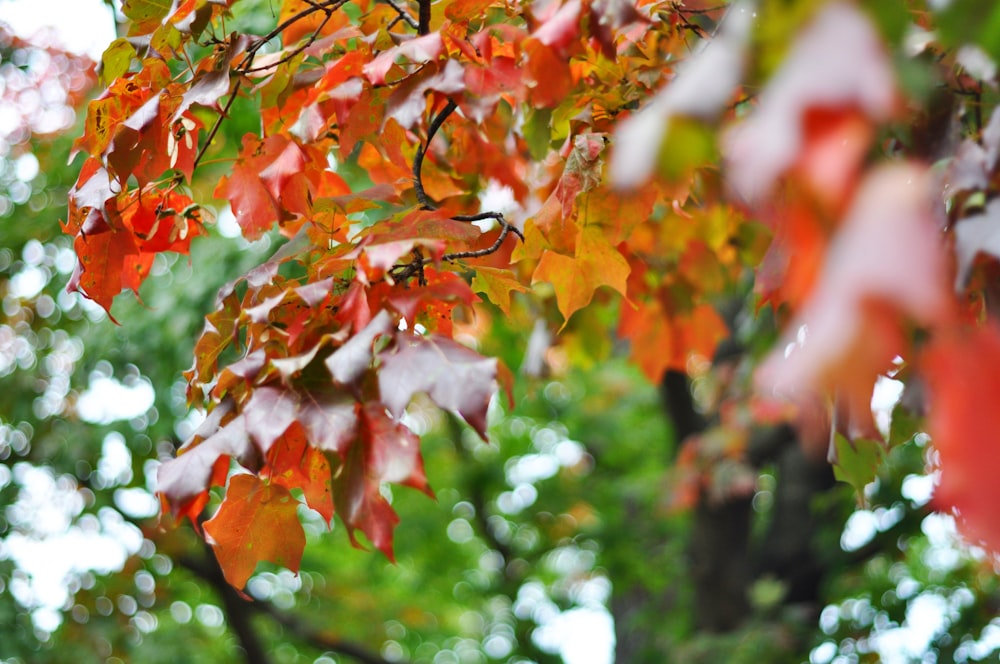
x,y
297,465
496,284
596,264
257,521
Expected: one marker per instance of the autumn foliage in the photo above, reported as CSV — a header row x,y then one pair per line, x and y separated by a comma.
x,y
656,155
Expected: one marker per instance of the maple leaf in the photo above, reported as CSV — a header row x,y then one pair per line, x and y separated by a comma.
x,y
456,378
887,258
245,530
497,284
257,182
575,278
351,360
295,464
963,376
214,83
183,479
145,15
361,505
268,414
979,233
819,72
559,30
704,84
110,262
392,451
330,419
417,50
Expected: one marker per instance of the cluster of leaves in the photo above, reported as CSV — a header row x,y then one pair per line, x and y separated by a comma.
x,y
380,134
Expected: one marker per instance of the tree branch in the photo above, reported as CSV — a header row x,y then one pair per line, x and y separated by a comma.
x,y
328,6
316,638
418,159
239,610
424,26
404,15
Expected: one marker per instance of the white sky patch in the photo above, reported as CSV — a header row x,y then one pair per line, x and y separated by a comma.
x,y
81,26
108,400
581,636
885,396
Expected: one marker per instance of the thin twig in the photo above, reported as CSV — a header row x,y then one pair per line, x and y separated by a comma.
x,y
217,125
329,7
498,216
418,159
404,15
288,56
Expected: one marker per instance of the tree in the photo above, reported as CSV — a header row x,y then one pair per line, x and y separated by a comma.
x,y
766,216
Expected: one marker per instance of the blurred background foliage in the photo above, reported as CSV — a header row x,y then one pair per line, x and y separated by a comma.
x,y
560,537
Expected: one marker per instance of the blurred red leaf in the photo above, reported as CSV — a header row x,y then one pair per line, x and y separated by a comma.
x,y
963,377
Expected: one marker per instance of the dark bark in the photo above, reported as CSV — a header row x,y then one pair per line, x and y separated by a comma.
x,y
724,559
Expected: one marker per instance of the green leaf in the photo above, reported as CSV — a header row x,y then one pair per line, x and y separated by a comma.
x,y
537,132
857,462
975,21
116,60
145,15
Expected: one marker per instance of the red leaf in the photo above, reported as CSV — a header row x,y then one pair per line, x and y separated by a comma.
x,y
268,414
109,262
547,75
330,419
361,506
963,376
182,479
416,50
887,260
456,378
350,361
257,521
818,73
253,203
295,464
392,450
561,29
